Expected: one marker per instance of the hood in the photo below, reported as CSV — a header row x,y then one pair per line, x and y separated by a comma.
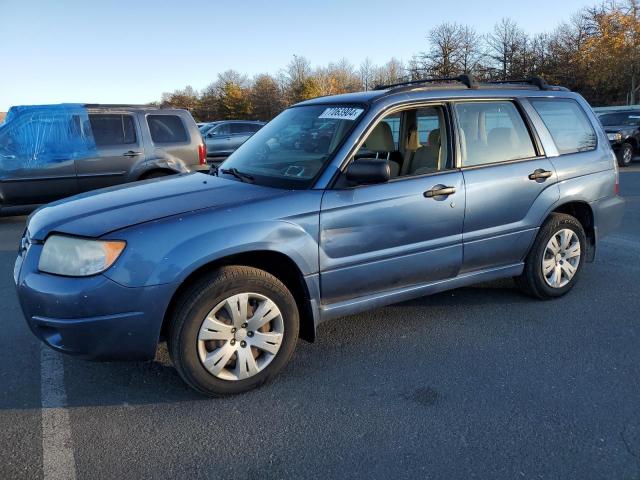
x,y
99,212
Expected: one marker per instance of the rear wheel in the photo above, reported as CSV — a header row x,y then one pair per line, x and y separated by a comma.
x,y
233,330
556,258
625,155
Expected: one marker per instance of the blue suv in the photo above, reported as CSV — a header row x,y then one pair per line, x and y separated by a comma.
x,y
418,188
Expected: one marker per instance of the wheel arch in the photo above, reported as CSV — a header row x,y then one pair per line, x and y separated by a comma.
x,y
277,264
582,212
147,173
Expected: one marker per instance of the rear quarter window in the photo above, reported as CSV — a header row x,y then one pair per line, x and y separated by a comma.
x,y
567,123
167,129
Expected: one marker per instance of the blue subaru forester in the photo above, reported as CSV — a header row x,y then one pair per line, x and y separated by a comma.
x,y
415,188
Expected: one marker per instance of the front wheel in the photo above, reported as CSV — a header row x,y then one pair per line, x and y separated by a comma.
x,y
233,330
556,258
625,155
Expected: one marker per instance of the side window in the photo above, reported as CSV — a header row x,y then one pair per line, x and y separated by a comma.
x,y
166,129
224,129
413,142
567,123
112,129
492,132
237,128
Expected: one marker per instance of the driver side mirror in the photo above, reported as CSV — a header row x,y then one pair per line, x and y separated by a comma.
x,y
367,171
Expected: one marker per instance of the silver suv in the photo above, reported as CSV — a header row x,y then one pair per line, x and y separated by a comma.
x,y
224,137
48,152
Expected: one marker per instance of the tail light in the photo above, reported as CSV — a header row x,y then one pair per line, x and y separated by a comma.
x,y
616,185
202,153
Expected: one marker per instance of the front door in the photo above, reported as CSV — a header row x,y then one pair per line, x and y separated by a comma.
x,y
36,156
119,148
403,233
219,141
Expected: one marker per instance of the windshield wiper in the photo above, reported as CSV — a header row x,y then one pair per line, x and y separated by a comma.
x,y
238,174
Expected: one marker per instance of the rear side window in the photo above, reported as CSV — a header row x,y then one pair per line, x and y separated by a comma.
x,y
166,129
112,129
567,123
492,132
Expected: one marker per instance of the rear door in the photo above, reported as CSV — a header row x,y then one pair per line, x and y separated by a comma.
x,y
117,137
510,184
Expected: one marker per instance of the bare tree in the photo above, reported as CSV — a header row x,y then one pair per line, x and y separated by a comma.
x,y
504,44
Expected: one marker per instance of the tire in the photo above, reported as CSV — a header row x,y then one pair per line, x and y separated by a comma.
x,y
625,155
533,280
201,331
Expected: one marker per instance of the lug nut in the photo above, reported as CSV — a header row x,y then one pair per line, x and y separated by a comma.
x,y
249,334
233,330
244,325
232,342
243,344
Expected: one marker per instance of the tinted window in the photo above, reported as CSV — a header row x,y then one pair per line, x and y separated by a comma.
x,y
224,129
622,118
567,123
166,129
112,129
492,132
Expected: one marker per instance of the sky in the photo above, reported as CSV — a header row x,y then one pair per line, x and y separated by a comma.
x,y
114,51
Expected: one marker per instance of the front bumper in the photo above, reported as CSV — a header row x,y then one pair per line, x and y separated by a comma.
x,y
91,317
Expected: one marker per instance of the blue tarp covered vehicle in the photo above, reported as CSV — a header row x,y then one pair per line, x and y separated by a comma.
x,y
35,135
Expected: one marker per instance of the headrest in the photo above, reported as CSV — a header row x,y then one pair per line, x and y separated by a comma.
x,y
434,137
413,141
501,137
380,139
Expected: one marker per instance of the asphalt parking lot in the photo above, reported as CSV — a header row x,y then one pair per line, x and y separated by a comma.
x,y
479,382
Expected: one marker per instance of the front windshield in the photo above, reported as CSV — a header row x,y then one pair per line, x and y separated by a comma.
x,y
291,150
620,118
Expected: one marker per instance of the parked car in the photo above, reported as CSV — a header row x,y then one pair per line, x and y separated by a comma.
x,y
226,136
231,268
205,127
48,152
623,131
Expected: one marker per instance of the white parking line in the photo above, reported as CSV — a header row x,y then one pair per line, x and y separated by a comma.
x,y
57,447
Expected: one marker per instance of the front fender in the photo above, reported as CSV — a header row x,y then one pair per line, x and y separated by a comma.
x,y
169,250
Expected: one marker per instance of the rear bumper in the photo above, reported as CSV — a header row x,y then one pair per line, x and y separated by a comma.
x,y
607,213
91,317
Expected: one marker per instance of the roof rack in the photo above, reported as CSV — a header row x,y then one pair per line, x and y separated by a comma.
x,y
465,79
539,82
470,82
117,105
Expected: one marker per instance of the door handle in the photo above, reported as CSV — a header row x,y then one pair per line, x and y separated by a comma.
x,y
540,174
131,153
440,191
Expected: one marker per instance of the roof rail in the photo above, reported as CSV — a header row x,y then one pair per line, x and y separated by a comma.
x,y
118,105
539,82
466,79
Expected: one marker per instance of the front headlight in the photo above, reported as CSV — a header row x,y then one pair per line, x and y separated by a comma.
x,y
78,257
614,136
